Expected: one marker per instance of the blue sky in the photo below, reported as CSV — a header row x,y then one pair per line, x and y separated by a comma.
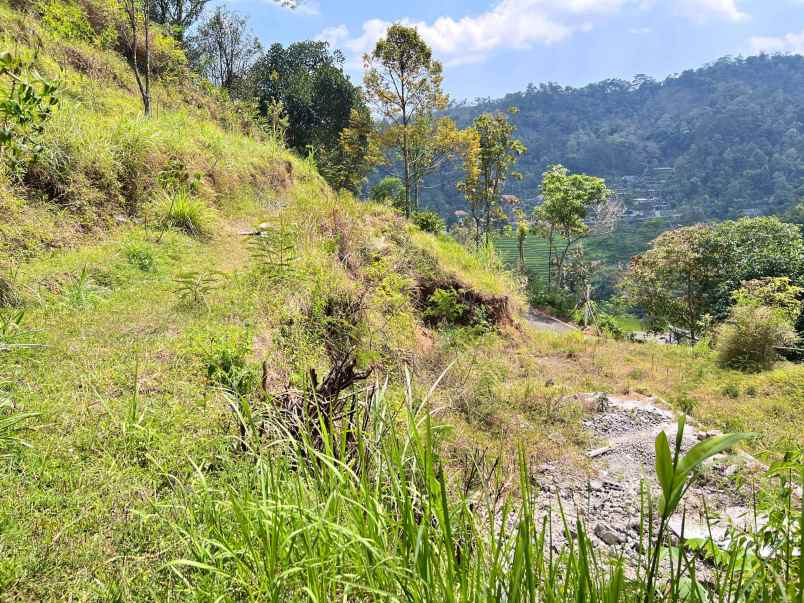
x,y
491,47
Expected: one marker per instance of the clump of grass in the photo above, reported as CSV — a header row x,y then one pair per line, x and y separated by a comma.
x,y
685,404
140,256
188,214
81,291
12,424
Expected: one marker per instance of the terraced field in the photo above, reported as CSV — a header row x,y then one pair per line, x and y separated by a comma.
x,y
535,253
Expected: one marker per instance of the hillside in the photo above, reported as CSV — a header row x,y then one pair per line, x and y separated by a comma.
x,y
176,288
716,142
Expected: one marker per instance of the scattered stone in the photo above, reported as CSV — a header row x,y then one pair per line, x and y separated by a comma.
x,y
694,530
633,525
607,535
705,435
596,485
593,454
730,470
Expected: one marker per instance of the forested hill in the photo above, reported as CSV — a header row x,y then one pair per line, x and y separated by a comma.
x,y
732,132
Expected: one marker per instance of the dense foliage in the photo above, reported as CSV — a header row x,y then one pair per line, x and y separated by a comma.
x,y
690,273
732,131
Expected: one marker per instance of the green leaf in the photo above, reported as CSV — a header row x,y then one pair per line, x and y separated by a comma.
x,y
706,449
664,464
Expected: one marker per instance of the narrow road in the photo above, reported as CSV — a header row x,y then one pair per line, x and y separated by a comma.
x,y
544,322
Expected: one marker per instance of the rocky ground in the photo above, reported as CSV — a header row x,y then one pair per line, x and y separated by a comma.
x,y
621,469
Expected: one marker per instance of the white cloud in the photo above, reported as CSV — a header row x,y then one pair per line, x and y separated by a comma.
x,y
511,24
702,10
792,42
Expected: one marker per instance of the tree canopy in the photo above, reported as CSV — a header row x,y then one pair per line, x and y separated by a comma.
x,y
689,273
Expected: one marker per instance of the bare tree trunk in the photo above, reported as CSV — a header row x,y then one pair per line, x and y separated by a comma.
x,y
560,266
550,259
521,252
146,15
144,86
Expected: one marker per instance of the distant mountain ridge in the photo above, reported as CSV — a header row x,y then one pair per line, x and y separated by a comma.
x,y
717,142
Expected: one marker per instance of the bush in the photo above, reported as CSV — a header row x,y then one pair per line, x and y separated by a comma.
x,y
429,221
558,302
66,19
187,213
141,256
226,365
389,190
750,338
444,306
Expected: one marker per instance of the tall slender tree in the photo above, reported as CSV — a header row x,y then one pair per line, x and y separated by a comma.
x,y
139,11
566,209
490,154
223,48
403,83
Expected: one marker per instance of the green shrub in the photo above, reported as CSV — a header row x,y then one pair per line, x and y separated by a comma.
x,y
389,190
731,390
750,338
429,221
27,100
685,404
226,366
557,302
444,306
140,255
66,19
187,213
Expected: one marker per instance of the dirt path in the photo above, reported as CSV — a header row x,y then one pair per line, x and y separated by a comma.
x,y
622,460
544,322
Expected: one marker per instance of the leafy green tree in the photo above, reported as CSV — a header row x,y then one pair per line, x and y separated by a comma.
x,y
692,272
326,113
403,84
434,143
347,166
223,48
677,281
568,201
753,248
778,293
177,15
489,156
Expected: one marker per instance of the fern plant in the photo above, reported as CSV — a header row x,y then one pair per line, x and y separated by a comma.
x,y
193,287
273,250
